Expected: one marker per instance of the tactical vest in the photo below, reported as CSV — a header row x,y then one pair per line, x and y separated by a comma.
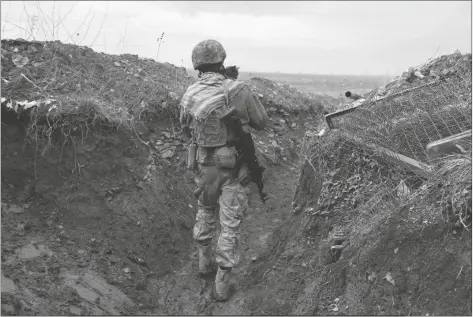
x,y
212,131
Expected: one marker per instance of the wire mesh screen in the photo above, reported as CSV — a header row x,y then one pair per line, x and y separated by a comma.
x,y
407,121
377,156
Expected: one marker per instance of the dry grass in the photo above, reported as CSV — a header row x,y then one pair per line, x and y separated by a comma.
x,y
86,88
360,182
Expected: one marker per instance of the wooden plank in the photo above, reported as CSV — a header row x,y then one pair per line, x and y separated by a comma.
x,y
328,117
449,145
416,166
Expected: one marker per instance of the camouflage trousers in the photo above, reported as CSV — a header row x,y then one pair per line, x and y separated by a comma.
x,y
223,196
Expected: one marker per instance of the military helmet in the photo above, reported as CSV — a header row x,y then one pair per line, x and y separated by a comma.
x,y
208,52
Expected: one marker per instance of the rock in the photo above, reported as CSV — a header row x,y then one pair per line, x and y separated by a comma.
x,y
31,251
424,71
418,74
19,60
8,286
8,310
13,209
74,310
167,154
372,277
402,190
32,49
296,210
23,226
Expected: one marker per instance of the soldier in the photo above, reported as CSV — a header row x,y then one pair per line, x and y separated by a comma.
x,y
221,185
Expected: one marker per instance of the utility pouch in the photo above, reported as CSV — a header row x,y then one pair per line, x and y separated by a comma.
x,y
191,160
225,157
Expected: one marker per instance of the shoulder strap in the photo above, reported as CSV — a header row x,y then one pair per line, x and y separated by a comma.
x,y
225,91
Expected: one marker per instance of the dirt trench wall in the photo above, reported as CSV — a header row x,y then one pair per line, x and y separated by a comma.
x,y
396,261
126,211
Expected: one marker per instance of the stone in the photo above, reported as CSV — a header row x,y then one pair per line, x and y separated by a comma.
x,y
19,61
8,286
13,209
31,251
167,154
75,310
8,309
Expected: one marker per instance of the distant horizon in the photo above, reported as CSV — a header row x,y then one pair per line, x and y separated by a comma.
x,y
306,74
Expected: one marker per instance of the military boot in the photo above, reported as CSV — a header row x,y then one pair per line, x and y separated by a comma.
x,y
222,284
206,263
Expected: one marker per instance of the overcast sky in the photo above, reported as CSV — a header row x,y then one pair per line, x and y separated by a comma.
x,y
353,37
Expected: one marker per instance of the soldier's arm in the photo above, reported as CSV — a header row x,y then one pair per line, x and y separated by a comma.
x,y
250,111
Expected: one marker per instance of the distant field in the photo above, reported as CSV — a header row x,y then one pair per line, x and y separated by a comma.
x,y
332,85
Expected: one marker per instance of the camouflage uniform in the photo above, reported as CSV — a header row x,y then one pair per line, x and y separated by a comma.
x,y
222,189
